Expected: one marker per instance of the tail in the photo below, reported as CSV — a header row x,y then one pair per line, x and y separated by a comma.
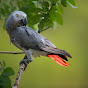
x,y
59,60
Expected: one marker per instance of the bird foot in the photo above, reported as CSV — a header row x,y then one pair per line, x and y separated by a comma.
x,y
25,61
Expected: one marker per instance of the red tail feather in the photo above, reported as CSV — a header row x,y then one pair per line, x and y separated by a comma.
x,y
58,60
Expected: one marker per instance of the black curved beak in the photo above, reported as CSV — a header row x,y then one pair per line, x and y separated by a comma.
x,y
24,21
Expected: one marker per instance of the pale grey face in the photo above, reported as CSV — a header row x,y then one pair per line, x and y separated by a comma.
x,y
20,18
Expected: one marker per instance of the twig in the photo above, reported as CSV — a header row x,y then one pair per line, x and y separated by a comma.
x,y
43,29
9,52
18,78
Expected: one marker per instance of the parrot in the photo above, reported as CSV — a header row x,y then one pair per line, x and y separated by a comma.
x,y
32,42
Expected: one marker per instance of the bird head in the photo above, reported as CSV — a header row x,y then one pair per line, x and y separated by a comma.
x,y
17,18
20,18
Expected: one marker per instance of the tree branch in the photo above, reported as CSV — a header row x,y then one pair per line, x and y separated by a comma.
x,y
18,78
10,52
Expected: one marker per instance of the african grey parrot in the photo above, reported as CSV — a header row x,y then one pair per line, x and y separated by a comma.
x,y
30,41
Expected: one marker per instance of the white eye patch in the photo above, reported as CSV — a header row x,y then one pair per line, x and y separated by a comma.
x,y
17,15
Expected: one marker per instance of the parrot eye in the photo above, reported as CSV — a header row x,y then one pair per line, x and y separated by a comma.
x,y
17,15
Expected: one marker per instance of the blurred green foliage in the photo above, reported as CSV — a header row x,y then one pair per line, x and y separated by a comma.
x,y
41,13
5,81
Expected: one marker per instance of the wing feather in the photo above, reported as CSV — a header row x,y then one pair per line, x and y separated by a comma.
x,y
56,51
27,38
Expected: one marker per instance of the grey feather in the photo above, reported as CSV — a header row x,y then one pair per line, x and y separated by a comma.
x,y
27,38
56,51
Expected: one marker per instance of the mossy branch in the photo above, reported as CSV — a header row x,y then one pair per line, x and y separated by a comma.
x,y
19,75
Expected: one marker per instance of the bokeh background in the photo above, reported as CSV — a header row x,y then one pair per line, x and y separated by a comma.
x,y
43,72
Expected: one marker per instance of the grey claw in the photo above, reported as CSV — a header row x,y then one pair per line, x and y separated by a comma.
x,y
25,61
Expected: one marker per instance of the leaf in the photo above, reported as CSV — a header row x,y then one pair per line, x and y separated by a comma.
x,y
35,19
64,3
45,6
60,9
54,1
72,5
55,16
41,25
47,21
52,12
35,2
59,18
5,82
8,72
71,2
4,64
